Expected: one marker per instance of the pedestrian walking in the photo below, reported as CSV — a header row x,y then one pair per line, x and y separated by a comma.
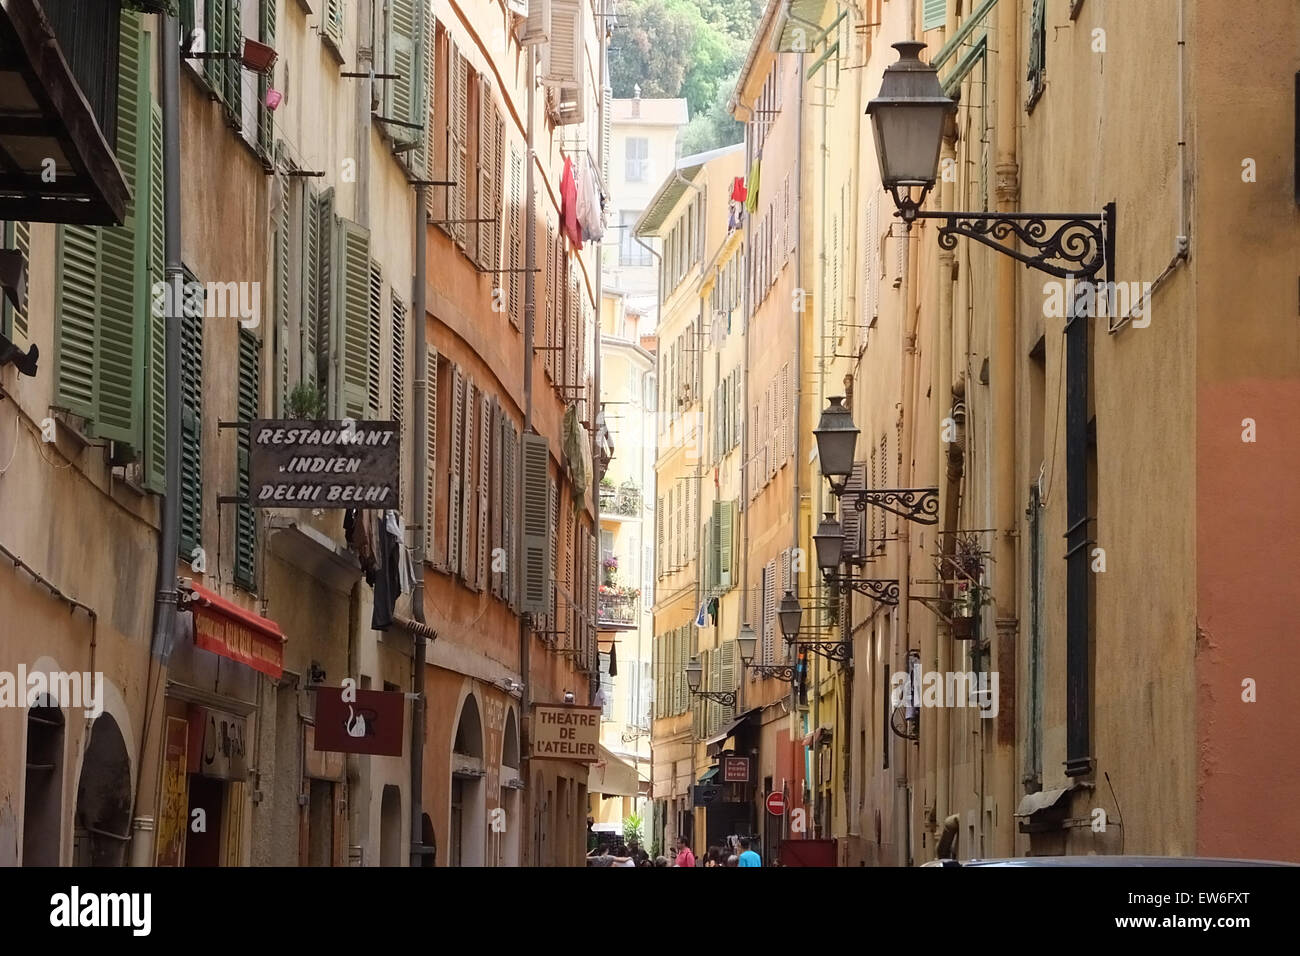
x,y
684,855
748,857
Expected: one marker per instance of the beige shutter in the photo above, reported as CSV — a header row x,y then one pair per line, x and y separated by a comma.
x,y
484,487
431,431
467,497
454,473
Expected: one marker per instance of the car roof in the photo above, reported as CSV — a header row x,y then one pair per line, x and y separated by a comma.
x,y
1107,861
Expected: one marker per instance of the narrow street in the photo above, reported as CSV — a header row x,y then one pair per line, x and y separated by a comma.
x,y
649,433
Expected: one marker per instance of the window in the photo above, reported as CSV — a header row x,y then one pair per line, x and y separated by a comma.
x,y
606,688
631,252
1037,53
107,328
638,159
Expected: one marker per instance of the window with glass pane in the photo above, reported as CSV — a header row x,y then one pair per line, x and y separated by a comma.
x,y
631,252
638,159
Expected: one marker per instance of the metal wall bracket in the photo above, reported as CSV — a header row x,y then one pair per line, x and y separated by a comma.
x,y
920,505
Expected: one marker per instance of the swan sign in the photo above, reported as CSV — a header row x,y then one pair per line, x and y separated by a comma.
x,y
360,721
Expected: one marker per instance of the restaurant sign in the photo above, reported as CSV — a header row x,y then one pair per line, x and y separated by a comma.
x,y
565,732
328,464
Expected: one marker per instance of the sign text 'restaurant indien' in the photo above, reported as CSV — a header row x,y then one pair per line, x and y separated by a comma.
x,y
335,464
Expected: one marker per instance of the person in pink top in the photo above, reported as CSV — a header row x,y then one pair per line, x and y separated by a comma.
x,y
684,855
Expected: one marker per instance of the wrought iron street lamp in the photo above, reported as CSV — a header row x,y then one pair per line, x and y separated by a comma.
x,y
694,671
836,438
829,543
790,613
748,642
908,119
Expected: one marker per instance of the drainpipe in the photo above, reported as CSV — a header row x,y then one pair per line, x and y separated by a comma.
x,y
798,403
1002,370
422,521
597,407
164,621
530,292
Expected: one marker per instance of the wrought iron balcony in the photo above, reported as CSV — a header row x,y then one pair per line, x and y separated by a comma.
x,y
617,608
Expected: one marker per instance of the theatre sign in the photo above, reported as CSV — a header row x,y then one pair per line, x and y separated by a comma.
x,y
333,464
566,732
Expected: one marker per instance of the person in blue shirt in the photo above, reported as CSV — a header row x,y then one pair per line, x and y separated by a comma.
x,y
748,857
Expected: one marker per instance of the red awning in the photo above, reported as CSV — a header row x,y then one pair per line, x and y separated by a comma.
x,y
225,628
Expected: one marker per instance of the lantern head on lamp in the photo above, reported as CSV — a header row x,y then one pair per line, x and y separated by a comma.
x,y
907,119
694,671
829,542
790,612
748,641
837,437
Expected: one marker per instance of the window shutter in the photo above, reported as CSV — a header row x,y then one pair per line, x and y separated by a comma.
x,y
489,177
659,537
548,293
191,432
769,612
458,146
730,677
123,256
508,513
850,517
76,357
402,99
515,303
715,684
155,434
233,75
787,425
281,268
374,329
17,236
484,486
467,495
318,269
933,14
571,333
499,499
454,472
265,118
710,559
725,522
427,152
536,523
249,401
431,431
353,323
397,383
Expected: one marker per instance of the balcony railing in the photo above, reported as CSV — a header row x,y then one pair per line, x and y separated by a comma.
x,y
617,607
624,500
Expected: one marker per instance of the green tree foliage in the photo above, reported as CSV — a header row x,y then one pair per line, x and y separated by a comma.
x,y
685,48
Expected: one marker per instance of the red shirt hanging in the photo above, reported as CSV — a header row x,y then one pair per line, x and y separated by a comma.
x,y
569,205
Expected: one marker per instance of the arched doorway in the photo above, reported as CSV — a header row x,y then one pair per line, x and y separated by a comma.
x,y
468,819
508,847
103,817
390,827
43,785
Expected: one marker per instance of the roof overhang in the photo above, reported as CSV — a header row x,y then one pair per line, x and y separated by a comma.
x,y
683,179
44,115
788,26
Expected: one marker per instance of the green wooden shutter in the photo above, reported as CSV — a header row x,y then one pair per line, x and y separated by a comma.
x,y
233,75
935,12
76,352
155,436
191,429
402,99
353,317
726,543
730,676
249,401
265,118
535,513
282,275
123,252
374,324
397,385
13,321
428,88
215,42
334,21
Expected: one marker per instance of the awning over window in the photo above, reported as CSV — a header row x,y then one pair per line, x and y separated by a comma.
x,y
612,776
58,87
708,775
225,628
714,743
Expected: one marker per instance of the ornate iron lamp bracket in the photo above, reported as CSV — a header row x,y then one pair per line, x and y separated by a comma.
x,y
883,590
920,505
1065,245
783,672
724,697
833,650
